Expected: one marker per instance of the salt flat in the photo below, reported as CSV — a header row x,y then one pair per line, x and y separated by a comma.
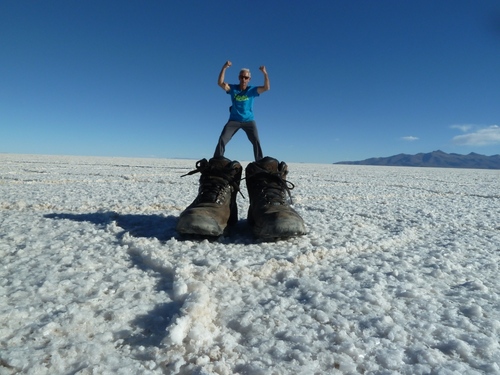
x,y
397,275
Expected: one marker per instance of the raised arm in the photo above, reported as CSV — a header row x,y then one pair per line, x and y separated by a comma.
x,y
267,85
222,74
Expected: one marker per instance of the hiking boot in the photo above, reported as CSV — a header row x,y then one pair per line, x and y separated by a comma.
x,y
270,214
215,206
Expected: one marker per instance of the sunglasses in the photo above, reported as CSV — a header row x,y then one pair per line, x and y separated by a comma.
x,y
245,77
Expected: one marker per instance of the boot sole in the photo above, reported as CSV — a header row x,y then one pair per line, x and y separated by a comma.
x,y
280,230
199,225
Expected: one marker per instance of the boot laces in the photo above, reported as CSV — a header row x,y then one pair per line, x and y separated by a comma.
x,y
213,182
273,186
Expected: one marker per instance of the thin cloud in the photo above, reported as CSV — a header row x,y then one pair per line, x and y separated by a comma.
x,y
482,137
410,138
463,128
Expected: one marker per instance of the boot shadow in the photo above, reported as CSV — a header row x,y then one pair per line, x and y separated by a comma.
x,y
149,226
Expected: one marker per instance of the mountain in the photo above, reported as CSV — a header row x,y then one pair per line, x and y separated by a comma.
x,y
434,159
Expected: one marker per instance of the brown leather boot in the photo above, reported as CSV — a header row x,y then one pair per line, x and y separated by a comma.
x,y
270,214
215,206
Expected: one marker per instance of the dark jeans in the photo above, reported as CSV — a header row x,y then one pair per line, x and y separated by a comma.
x,y
231,128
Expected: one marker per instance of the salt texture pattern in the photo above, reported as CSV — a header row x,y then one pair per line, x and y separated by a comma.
x,y
397,275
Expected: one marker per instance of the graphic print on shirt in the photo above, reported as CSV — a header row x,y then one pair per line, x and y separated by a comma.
x,y
240,98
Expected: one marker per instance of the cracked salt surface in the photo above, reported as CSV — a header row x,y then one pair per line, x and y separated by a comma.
x,y
397,275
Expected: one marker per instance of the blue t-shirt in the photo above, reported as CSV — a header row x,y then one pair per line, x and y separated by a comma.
x,y
242,108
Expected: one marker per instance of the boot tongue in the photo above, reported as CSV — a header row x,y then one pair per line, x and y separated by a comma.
x,y
269,164
220,162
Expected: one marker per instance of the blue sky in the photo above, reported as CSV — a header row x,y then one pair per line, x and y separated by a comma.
x,y
349,79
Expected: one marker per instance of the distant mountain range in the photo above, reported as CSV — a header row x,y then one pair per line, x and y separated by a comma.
x,y
438,159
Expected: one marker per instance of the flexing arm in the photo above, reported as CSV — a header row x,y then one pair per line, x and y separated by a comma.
x,y
222,74
267,85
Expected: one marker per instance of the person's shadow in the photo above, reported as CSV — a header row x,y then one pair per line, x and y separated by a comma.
x,y
153,325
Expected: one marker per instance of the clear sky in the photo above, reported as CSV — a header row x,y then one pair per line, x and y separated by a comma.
x,y
349,79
